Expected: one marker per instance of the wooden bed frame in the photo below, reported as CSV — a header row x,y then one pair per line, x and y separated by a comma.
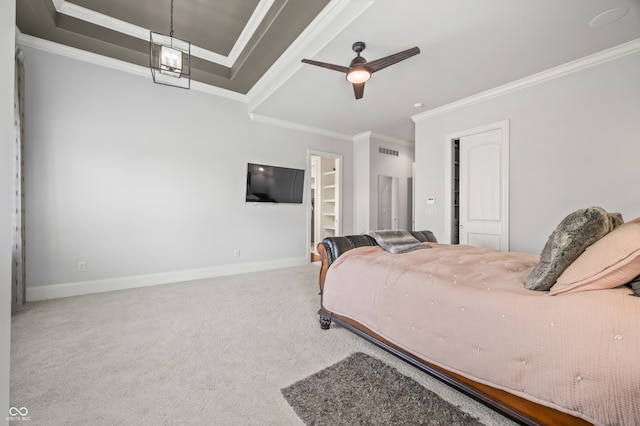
x,y
518,409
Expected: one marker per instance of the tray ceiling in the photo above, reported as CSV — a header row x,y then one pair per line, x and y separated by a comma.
x,y
234,42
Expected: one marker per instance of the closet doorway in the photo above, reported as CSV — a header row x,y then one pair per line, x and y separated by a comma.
x,y
325,206
477,186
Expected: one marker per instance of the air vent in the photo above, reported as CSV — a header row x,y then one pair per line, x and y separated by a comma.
x,y
388,151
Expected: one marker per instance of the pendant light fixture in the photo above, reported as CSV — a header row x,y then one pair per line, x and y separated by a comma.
x,y
170,59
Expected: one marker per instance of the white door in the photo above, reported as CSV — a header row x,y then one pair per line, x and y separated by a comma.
x,y
388,202
482,195
395,202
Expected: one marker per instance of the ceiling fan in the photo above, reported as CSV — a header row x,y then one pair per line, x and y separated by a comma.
x,y
359,71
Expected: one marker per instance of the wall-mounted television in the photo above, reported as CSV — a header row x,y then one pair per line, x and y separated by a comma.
x,y
272,184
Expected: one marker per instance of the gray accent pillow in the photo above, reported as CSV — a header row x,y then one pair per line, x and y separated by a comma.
x,y
573,235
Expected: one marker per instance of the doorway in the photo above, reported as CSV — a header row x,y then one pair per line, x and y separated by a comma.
x,y
477,187
388,202
325,211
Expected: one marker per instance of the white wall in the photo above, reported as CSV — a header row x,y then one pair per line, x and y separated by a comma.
x,y
361,184
574,143
135,178
7,51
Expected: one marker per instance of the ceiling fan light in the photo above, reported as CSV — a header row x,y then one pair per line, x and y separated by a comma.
x,y
358,75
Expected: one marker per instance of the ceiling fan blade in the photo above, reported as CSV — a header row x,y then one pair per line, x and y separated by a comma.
x,y
381,63
358,89
326,65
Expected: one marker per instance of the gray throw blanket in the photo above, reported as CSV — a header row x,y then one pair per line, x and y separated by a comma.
x,y
397,241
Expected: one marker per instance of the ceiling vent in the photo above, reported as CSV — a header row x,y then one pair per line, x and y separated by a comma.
x,y
387,151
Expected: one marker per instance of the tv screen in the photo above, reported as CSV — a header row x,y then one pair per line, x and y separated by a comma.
x,y
271,184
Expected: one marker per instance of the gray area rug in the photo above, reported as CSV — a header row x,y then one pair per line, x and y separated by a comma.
x,y
362,390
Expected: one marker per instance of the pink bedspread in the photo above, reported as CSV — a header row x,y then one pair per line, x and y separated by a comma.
x,y
466,309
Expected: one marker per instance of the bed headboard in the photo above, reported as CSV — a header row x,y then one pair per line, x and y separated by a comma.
x,y
333,247
336,246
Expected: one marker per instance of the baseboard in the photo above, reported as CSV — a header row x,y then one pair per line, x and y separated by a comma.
x,y
55,291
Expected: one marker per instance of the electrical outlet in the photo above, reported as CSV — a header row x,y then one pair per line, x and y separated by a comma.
x,y
236,252
82,266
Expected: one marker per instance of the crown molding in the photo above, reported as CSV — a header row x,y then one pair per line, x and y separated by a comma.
x,y
116,64
598,58
324,132
79,54
249,30
368,135
114,24
391,139
300,127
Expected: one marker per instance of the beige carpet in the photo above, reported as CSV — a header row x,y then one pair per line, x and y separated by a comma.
x,y
206,352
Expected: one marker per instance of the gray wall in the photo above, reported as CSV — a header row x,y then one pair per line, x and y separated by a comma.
x,y
136,178
7,50
574,142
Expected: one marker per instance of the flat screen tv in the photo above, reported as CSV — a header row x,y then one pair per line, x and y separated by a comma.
x,y
271,184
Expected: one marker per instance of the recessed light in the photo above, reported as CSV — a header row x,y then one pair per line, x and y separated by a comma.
x,y
418,105
608,17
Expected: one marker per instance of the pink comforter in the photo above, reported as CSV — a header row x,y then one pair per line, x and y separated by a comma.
x,y
466,309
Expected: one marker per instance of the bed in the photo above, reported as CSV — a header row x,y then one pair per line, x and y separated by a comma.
x,y
567,354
